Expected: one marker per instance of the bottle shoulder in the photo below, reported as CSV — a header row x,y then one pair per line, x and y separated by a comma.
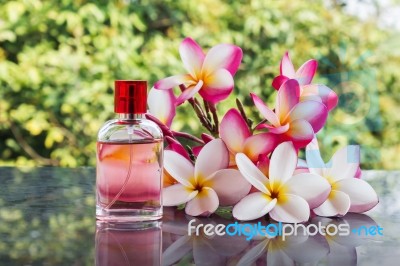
x,y
129,130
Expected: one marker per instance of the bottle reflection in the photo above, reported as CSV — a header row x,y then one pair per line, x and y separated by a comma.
x,y
128,244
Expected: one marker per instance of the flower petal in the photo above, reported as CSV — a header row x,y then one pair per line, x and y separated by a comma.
x,y
253,206
263,143
329,97
252,174
177,194
362,196
263,164
178,167
171,82
264,110
337,204
312,111
313,188
206,138
204,204
177,250
213,157
313,156
306,72
175,146
192,56
294,209
161,104
230,186
189,92
254,253
234,130
300,133
344,163
283,163
278,81
286,67
224,56
218,85
288,97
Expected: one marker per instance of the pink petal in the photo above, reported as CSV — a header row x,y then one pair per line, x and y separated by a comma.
x,y
234,130
230,186
171,82
358,173
265,111
189,92
288,97
177,194
313,188
337,204
179,167
218,86
213,157
312,111
329,97
206,138
192,56
286,67
204,204
300,133
196,150
293,210
175,146
263,164
283,163
263,143
224,56
313,156
344,163
362,196
275,130
161,104
306,72
278,81
253,206
251,173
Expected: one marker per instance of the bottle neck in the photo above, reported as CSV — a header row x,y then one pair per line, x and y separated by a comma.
x,y
130,116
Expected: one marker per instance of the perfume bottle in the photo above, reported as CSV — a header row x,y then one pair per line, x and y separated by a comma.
x,y
129,159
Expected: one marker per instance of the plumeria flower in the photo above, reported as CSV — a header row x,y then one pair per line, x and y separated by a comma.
x,y
292,120
162,105
239,139
211,75
285,197
206,185
348,194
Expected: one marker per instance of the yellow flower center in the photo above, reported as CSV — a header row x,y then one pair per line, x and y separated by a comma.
x,y
278,191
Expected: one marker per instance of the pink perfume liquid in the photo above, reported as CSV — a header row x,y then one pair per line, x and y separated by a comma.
x,y
129,180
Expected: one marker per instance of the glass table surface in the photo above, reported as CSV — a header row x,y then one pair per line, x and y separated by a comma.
x,y
47,217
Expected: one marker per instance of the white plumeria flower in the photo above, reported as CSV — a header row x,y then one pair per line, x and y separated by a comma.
x,y
286,197
206,185
348,194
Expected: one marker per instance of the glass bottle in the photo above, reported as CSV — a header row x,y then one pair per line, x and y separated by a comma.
x,y
129,159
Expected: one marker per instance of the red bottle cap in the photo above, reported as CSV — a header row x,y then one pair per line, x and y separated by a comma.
x,y
130,96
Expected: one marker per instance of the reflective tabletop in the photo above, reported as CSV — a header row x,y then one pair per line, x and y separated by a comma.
x,y
47,217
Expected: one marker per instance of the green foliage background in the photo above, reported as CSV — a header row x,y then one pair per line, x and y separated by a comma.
x,y
58,61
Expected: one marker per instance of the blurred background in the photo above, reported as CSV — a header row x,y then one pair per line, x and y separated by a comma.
x,y
59,58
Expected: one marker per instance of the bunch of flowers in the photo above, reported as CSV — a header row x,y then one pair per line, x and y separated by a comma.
x,y
256,170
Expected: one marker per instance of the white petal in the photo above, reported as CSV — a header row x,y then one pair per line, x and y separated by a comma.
x,y
283,163
253,254
177,194
192,56
162,105
252,174
204,204
230,186
179,167
253,206
362,196
313,188
213,156
337,204
177,250
313,156
294,209
276,256
344,163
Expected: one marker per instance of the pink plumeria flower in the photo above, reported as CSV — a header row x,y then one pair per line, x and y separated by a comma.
x,y
161,104
304,76
206,185
286,197
292,120
239,139
211,75
348,194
